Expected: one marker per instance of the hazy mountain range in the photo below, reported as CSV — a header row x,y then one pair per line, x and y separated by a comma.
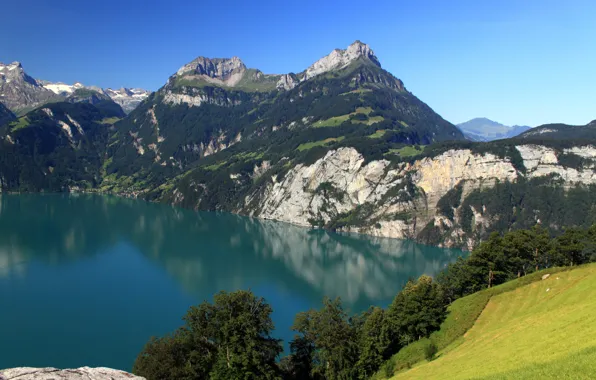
x,y
483,129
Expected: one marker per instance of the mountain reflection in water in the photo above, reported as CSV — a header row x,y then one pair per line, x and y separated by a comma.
x,y
163,259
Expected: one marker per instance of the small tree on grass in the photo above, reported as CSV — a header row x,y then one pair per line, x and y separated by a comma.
x,y
430,350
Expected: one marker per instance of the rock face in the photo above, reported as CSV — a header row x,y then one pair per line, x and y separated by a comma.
x,y
83,373
19,91
226,71
287,82
339,59
401,200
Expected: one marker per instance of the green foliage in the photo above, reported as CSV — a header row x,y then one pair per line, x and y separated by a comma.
x,y
333,337
417,310
310,145
374,342
229,339
430,350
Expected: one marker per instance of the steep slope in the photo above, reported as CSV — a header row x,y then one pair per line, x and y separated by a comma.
x,y
5,114
210,105
483,129
60,146
543,330
19,92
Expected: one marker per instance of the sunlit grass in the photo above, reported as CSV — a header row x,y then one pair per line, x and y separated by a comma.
x,y
544,329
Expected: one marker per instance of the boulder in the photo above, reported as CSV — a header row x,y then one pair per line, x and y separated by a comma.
x,y
83,373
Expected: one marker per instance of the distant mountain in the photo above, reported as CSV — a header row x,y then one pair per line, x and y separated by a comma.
x,y
22,93
19,92
483,129
561,132
128,98
6,115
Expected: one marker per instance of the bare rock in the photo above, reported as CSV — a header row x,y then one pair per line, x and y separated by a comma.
x,y
544,277
83,373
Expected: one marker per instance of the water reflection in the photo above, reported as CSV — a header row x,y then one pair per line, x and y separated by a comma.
x,y
207,252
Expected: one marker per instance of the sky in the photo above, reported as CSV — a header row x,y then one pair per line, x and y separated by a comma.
x,y
524,62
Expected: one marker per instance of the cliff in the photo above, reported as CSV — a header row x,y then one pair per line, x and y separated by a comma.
x,y
410,199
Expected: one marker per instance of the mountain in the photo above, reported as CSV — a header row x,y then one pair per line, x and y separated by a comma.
x,y
5,114
57,147
210,105
341,145
127,98
19,92
22,93
561,131
483,129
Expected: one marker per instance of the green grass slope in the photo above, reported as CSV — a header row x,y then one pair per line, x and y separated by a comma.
x,y
546,329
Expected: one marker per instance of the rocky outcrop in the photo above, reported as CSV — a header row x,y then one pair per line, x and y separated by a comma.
x,y
83,373
223,71
18,91
339,59
399,200
287,82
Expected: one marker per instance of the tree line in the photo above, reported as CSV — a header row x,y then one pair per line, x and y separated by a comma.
x,y
231,338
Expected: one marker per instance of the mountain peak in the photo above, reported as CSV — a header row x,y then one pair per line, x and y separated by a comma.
x,y
11,66
216,68
340,58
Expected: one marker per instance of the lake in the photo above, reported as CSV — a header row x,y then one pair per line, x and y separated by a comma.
x,y
85,280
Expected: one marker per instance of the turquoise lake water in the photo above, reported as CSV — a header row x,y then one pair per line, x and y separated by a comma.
x,y
85,280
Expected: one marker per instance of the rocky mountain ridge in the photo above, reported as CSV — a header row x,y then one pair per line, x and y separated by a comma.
x,y
20,92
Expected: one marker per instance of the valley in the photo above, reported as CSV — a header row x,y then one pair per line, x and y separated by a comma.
x,y
342,145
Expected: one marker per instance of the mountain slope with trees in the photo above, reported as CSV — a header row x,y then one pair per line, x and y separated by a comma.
x,y
58,147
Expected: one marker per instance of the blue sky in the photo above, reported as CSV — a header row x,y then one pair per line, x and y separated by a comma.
x,y
516,62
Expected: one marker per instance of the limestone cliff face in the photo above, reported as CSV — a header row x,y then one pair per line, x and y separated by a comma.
x,y
83,373
400,200
219,70
339,59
